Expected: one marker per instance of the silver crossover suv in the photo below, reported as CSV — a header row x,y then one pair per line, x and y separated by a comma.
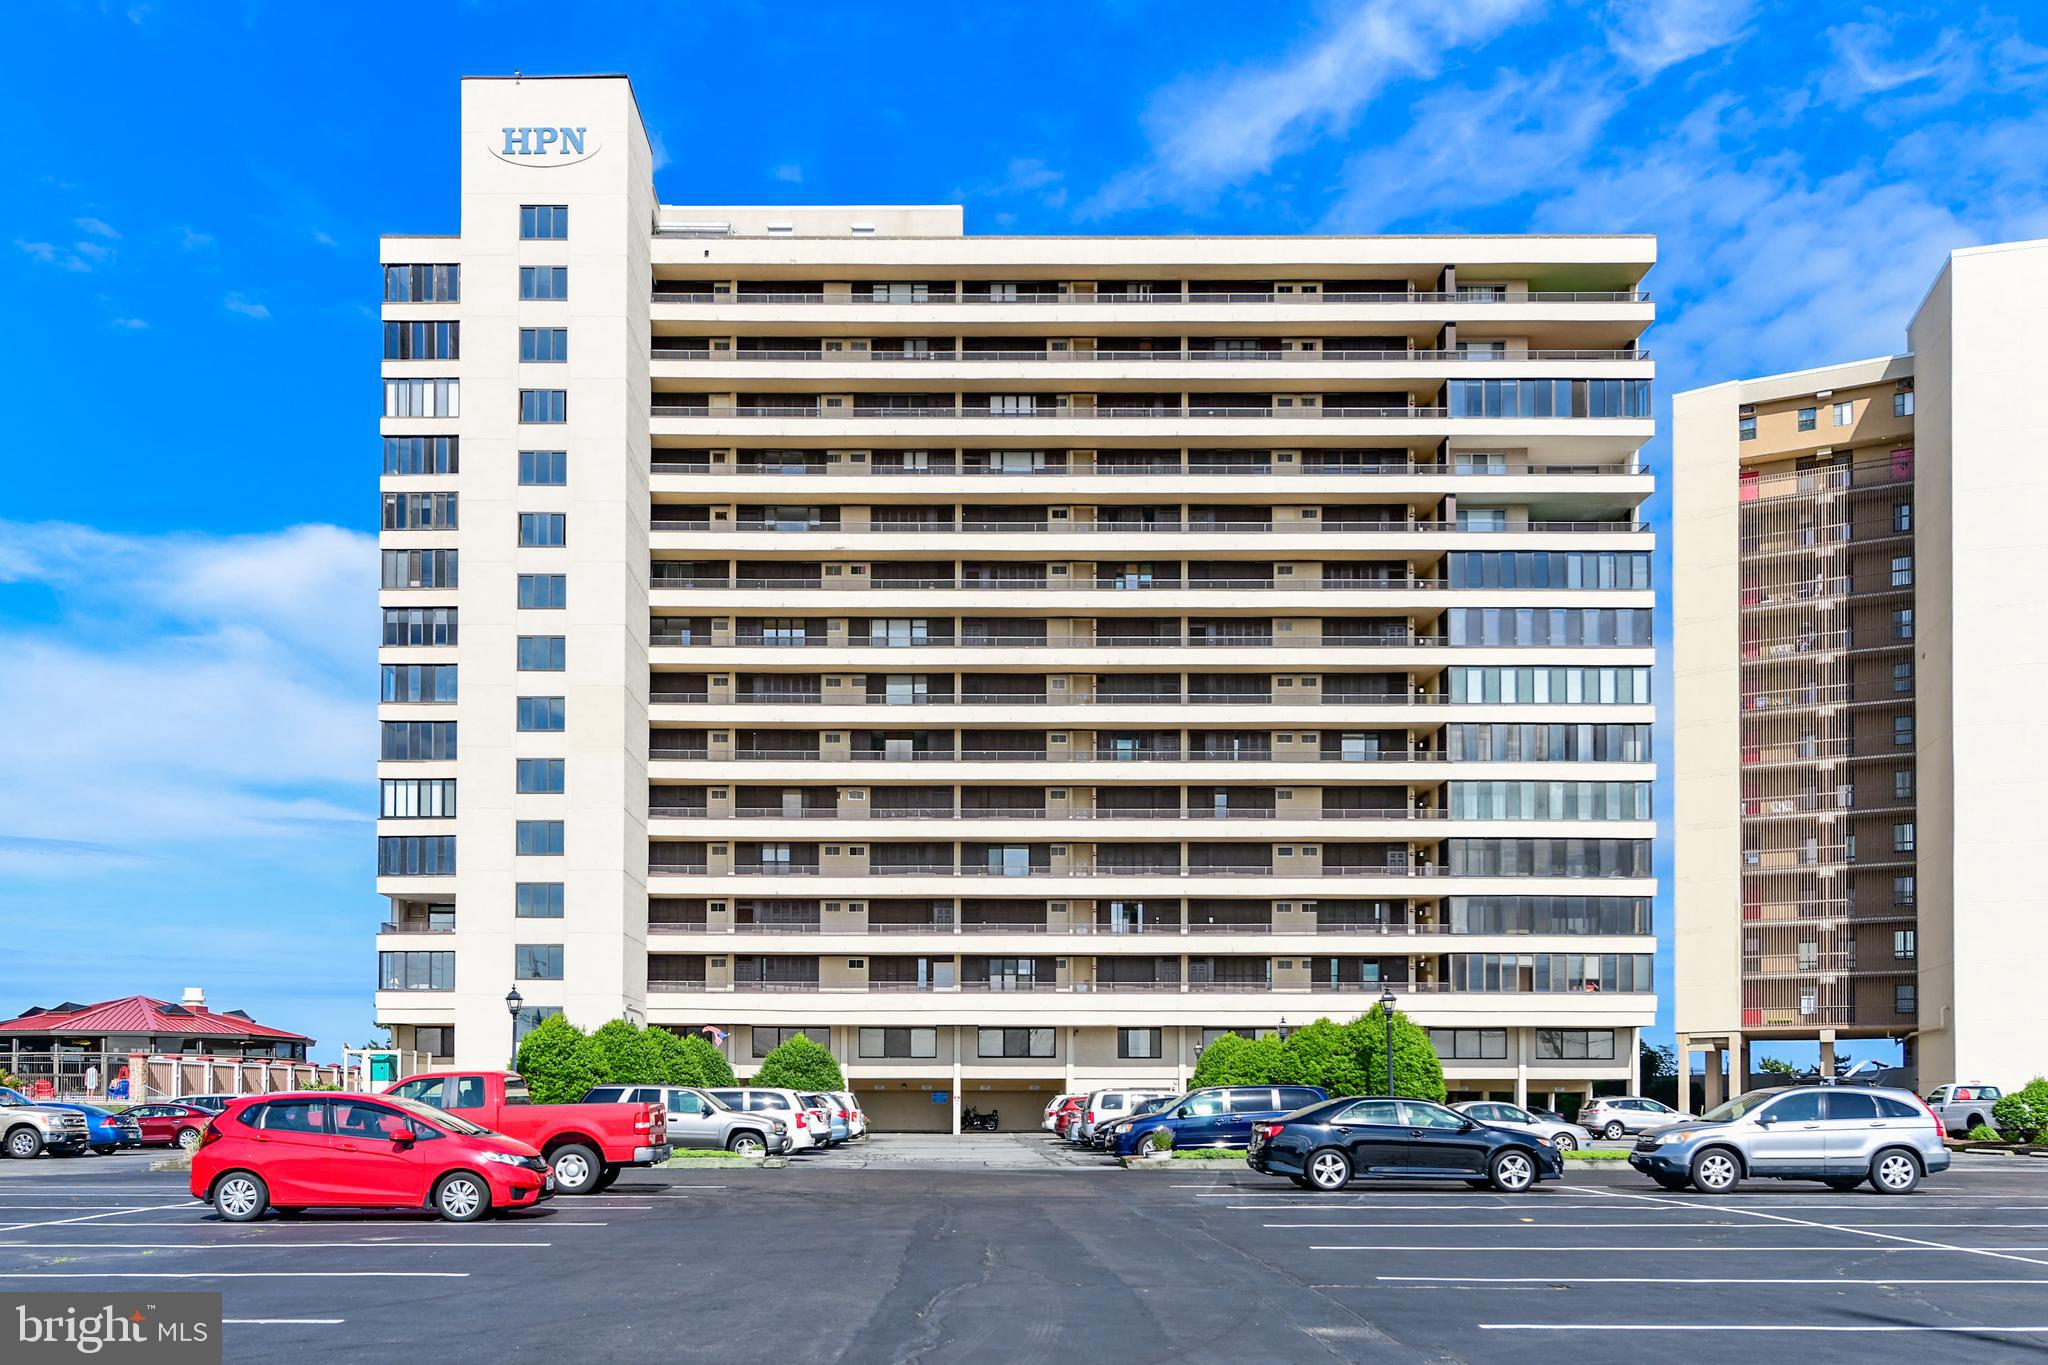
x,y
1841,1135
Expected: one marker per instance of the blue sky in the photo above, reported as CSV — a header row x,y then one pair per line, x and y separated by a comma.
x,y
187,567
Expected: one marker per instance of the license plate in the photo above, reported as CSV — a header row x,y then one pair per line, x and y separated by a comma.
x,y
548,1182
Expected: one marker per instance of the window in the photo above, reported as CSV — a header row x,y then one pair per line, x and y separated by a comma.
x,y
1809,957
1902,623
543,281
544,530
1470,1044
1902,785
1905,999
543,468
766,1040
418,741
899,1042
1745,428
1845,413
422,398
422,284
1572,1043
289,1116
538,838
540,776
416,855
1902,677
1902,571
1902,518
1905,889
1902,731
436,1040
1809,418
543,222
542,653
544,591
422,340
1138,1043
1014,1042
543,405
1905,944
1902,403
537,961
418,683
419,511
415,971
419,627
422,454
417,798
544,345
537,900
420,568
1801,1106
1903,837
542,714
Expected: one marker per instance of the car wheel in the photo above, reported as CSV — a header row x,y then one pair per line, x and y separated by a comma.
x,y
1976,1121
1844,1183
576,1169
746,1143
1716,1171
190,1138
240,1197
1565,1142
1512,1171
105,1151
1613,1130
1673,1183
606,1178
24,1142
462,1197
1329,1170
1894,1172
1302,1181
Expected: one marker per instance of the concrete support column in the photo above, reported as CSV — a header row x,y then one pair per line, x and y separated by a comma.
x,y
956,1099
1522,1068
1635,1063
1682,1047
1827,1052
1717,1061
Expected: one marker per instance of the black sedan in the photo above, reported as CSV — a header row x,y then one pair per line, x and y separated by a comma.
x,y
1326,1146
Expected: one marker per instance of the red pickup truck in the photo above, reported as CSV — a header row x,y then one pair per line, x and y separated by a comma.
x,y
587,1145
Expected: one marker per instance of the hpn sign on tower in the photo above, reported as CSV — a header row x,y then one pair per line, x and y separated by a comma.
x,y
543,146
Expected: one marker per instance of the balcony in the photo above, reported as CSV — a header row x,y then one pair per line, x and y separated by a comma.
x,y
1162,526
946,296
666,461
415,926
800,355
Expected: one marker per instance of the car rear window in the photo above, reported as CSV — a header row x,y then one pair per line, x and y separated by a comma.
x,y
1890,1108
1251,1101
1110,1102
1370,1111
1850,1105
515,1091
1298,1097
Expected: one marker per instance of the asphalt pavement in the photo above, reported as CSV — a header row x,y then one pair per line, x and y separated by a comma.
x,y
894,1261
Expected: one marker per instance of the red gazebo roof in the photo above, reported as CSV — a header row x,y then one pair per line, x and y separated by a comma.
x,y
141,1014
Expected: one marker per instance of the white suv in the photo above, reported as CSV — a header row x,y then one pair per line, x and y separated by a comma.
x,y
787,1105
1107,1106
856,1120
1610,1116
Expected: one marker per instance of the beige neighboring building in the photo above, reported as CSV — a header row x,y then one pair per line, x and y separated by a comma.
x,y
1011,661
1858,641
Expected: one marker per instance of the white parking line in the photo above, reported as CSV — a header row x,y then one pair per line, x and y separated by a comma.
x,y
1802,1282
1928,1249
283,1322
1532,1226
2002,1254
374,1243
89,1217
235,1275
1748,1327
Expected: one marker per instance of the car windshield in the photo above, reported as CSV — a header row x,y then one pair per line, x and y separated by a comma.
x,y
440,1118
13,1102
1737,1107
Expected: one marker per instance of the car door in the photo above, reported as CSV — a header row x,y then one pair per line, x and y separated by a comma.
x,y
691,1122
1374,1136
1852,1129
1198,1122
369,1169
1442,1141
294,1151
1790,1137
155,1123
1242,1107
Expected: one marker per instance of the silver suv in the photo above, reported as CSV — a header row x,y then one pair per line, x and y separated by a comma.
x,y
1840,1135
28,1129
696,1119
1610,1116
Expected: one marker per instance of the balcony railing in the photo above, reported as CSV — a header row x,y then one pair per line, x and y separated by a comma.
x,y
670,987
1147,642
1038,756
676,408
1110,468
1428,871
1161,527
661,352
1088,929
414,927
1169,988
683,293
1122,699
746,583
1198,813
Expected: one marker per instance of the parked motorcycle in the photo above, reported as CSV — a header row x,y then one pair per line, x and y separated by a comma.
x,y
975,1122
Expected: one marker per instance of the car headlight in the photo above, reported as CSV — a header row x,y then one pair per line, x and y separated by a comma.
x,y
503,1158
1666,1139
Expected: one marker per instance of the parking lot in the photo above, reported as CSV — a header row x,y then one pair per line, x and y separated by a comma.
x,y
900,1261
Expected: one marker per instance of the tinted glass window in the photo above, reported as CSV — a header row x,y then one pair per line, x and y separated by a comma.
x,y
1298,1097
1251,1101
605,1094
1850,1105
353,1118
1431,1116
1201,1105
1110,1102
426,1092
468,1093
1799,1107
1371,1111
293,1116
683,1102
1887,1107
729,1098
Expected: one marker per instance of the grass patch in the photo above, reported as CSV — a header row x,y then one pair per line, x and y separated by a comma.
x,y
706,1154
1207,1154
1597,1154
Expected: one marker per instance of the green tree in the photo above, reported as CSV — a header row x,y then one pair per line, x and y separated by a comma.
x,y
800,1064
626,1055
1417,1072
1777,1066
560,1062
1218,1059
1325,1055
711,1066
678,1066
2023,1115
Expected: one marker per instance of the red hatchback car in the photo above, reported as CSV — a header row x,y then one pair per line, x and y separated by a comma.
x,y
302,1151
171,1124
1069,1114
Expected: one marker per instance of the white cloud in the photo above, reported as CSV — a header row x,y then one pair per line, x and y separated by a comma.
x,y
323,238
247,307
1213,132
130,324
1651,35
97,228
193,240
788,172
49,253
195,691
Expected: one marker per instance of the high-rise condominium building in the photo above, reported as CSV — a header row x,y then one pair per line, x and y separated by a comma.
x,y
1011,661
1859,775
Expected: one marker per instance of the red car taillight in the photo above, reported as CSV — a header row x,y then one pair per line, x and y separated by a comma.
x,y
209,1135
1267,1131
802,1121
1090,1118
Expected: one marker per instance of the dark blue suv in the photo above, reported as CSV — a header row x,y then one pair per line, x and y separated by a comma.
x,y
1221,1116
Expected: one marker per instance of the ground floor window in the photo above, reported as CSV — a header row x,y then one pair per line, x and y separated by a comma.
x,y
1138,1043
766,1040
899,1042
1571,1044
1470,1044
1015,1042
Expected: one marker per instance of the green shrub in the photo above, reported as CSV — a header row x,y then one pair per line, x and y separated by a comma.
x,y
1983,1132
799,1064
1160,1139
2023,1114
1326,1055
1218,1059
1209,1154
1343,1059
626,1055
558,1061
1417,1072
711,1066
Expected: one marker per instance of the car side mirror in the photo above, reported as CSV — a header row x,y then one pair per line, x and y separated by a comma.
x,y
1468,1125
399,1131
1764,1120
1183,1112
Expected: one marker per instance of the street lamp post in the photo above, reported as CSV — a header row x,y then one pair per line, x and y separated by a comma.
x,y
1283,1028
513,1000
1387,1009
